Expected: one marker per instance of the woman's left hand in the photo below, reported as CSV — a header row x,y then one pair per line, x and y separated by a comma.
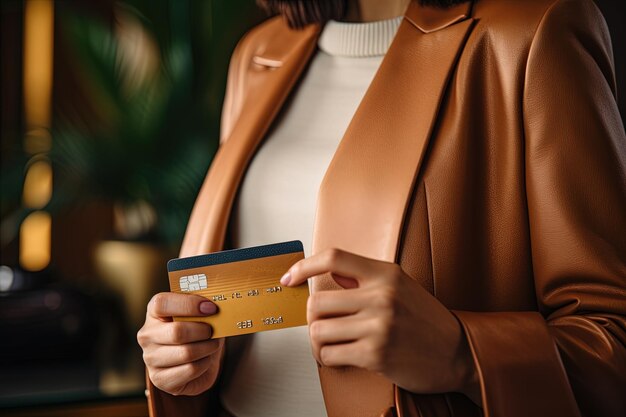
x,y
384,322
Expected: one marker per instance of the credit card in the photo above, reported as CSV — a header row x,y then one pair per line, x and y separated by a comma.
x,y
244,283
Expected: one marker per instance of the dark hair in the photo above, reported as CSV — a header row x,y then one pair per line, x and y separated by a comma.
x,y
300,13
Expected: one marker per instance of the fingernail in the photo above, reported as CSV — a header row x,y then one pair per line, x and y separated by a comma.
x,y
285,279
207,307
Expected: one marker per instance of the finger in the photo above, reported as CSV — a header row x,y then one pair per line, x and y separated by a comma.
x,y
345,354
197,386
326,304
347,283
174,379
167,356
336,331
339,330
169,304
337,262
179,333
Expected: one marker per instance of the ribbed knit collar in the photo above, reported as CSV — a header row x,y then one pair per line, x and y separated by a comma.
x,y
358,39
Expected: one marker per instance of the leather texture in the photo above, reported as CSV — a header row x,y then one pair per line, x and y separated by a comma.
x,y
488,159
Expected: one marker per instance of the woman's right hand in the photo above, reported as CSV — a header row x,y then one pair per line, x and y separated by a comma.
x,y
177,354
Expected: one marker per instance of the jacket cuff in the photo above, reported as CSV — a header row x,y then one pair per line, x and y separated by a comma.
x,y
518,365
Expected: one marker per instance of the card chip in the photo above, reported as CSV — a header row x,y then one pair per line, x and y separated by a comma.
x,y
193,282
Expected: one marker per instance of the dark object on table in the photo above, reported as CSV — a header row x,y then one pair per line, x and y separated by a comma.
x,y
46,323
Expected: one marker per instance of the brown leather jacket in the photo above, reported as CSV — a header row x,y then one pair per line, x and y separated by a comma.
x,y
488,159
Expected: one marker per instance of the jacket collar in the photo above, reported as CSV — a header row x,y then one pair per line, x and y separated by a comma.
x,y
427,19
431,19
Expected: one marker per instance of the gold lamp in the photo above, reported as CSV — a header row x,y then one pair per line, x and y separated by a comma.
x,y
35,231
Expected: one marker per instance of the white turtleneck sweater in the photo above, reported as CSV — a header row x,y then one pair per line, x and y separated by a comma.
x,y
274,373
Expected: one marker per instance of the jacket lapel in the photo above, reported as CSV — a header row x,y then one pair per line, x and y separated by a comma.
x,y
365,193
274,67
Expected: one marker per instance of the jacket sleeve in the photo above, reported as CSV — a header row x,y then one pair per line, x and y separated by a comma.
x,y
569,358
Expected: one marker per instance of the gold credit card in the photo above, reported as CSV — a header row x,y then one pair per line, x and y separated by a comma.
x,y
244,283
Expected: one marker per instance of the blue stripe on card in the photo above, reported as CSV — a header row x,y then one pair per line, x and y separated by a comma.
x,y
235,255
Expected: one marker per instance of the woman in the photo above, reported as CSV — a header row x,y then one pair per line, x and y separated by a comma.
x,y
469,229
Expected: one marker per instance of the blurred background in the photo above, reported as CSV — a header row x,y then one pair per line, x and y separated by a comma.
x,y
109,120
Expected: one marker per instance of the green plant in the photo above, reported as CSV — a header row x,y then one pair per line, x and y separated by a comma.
x,y
142,131
154,135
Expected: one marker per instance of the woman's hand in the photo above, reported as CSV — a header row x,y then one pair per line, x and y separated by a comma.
x,y
384,322
177,354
